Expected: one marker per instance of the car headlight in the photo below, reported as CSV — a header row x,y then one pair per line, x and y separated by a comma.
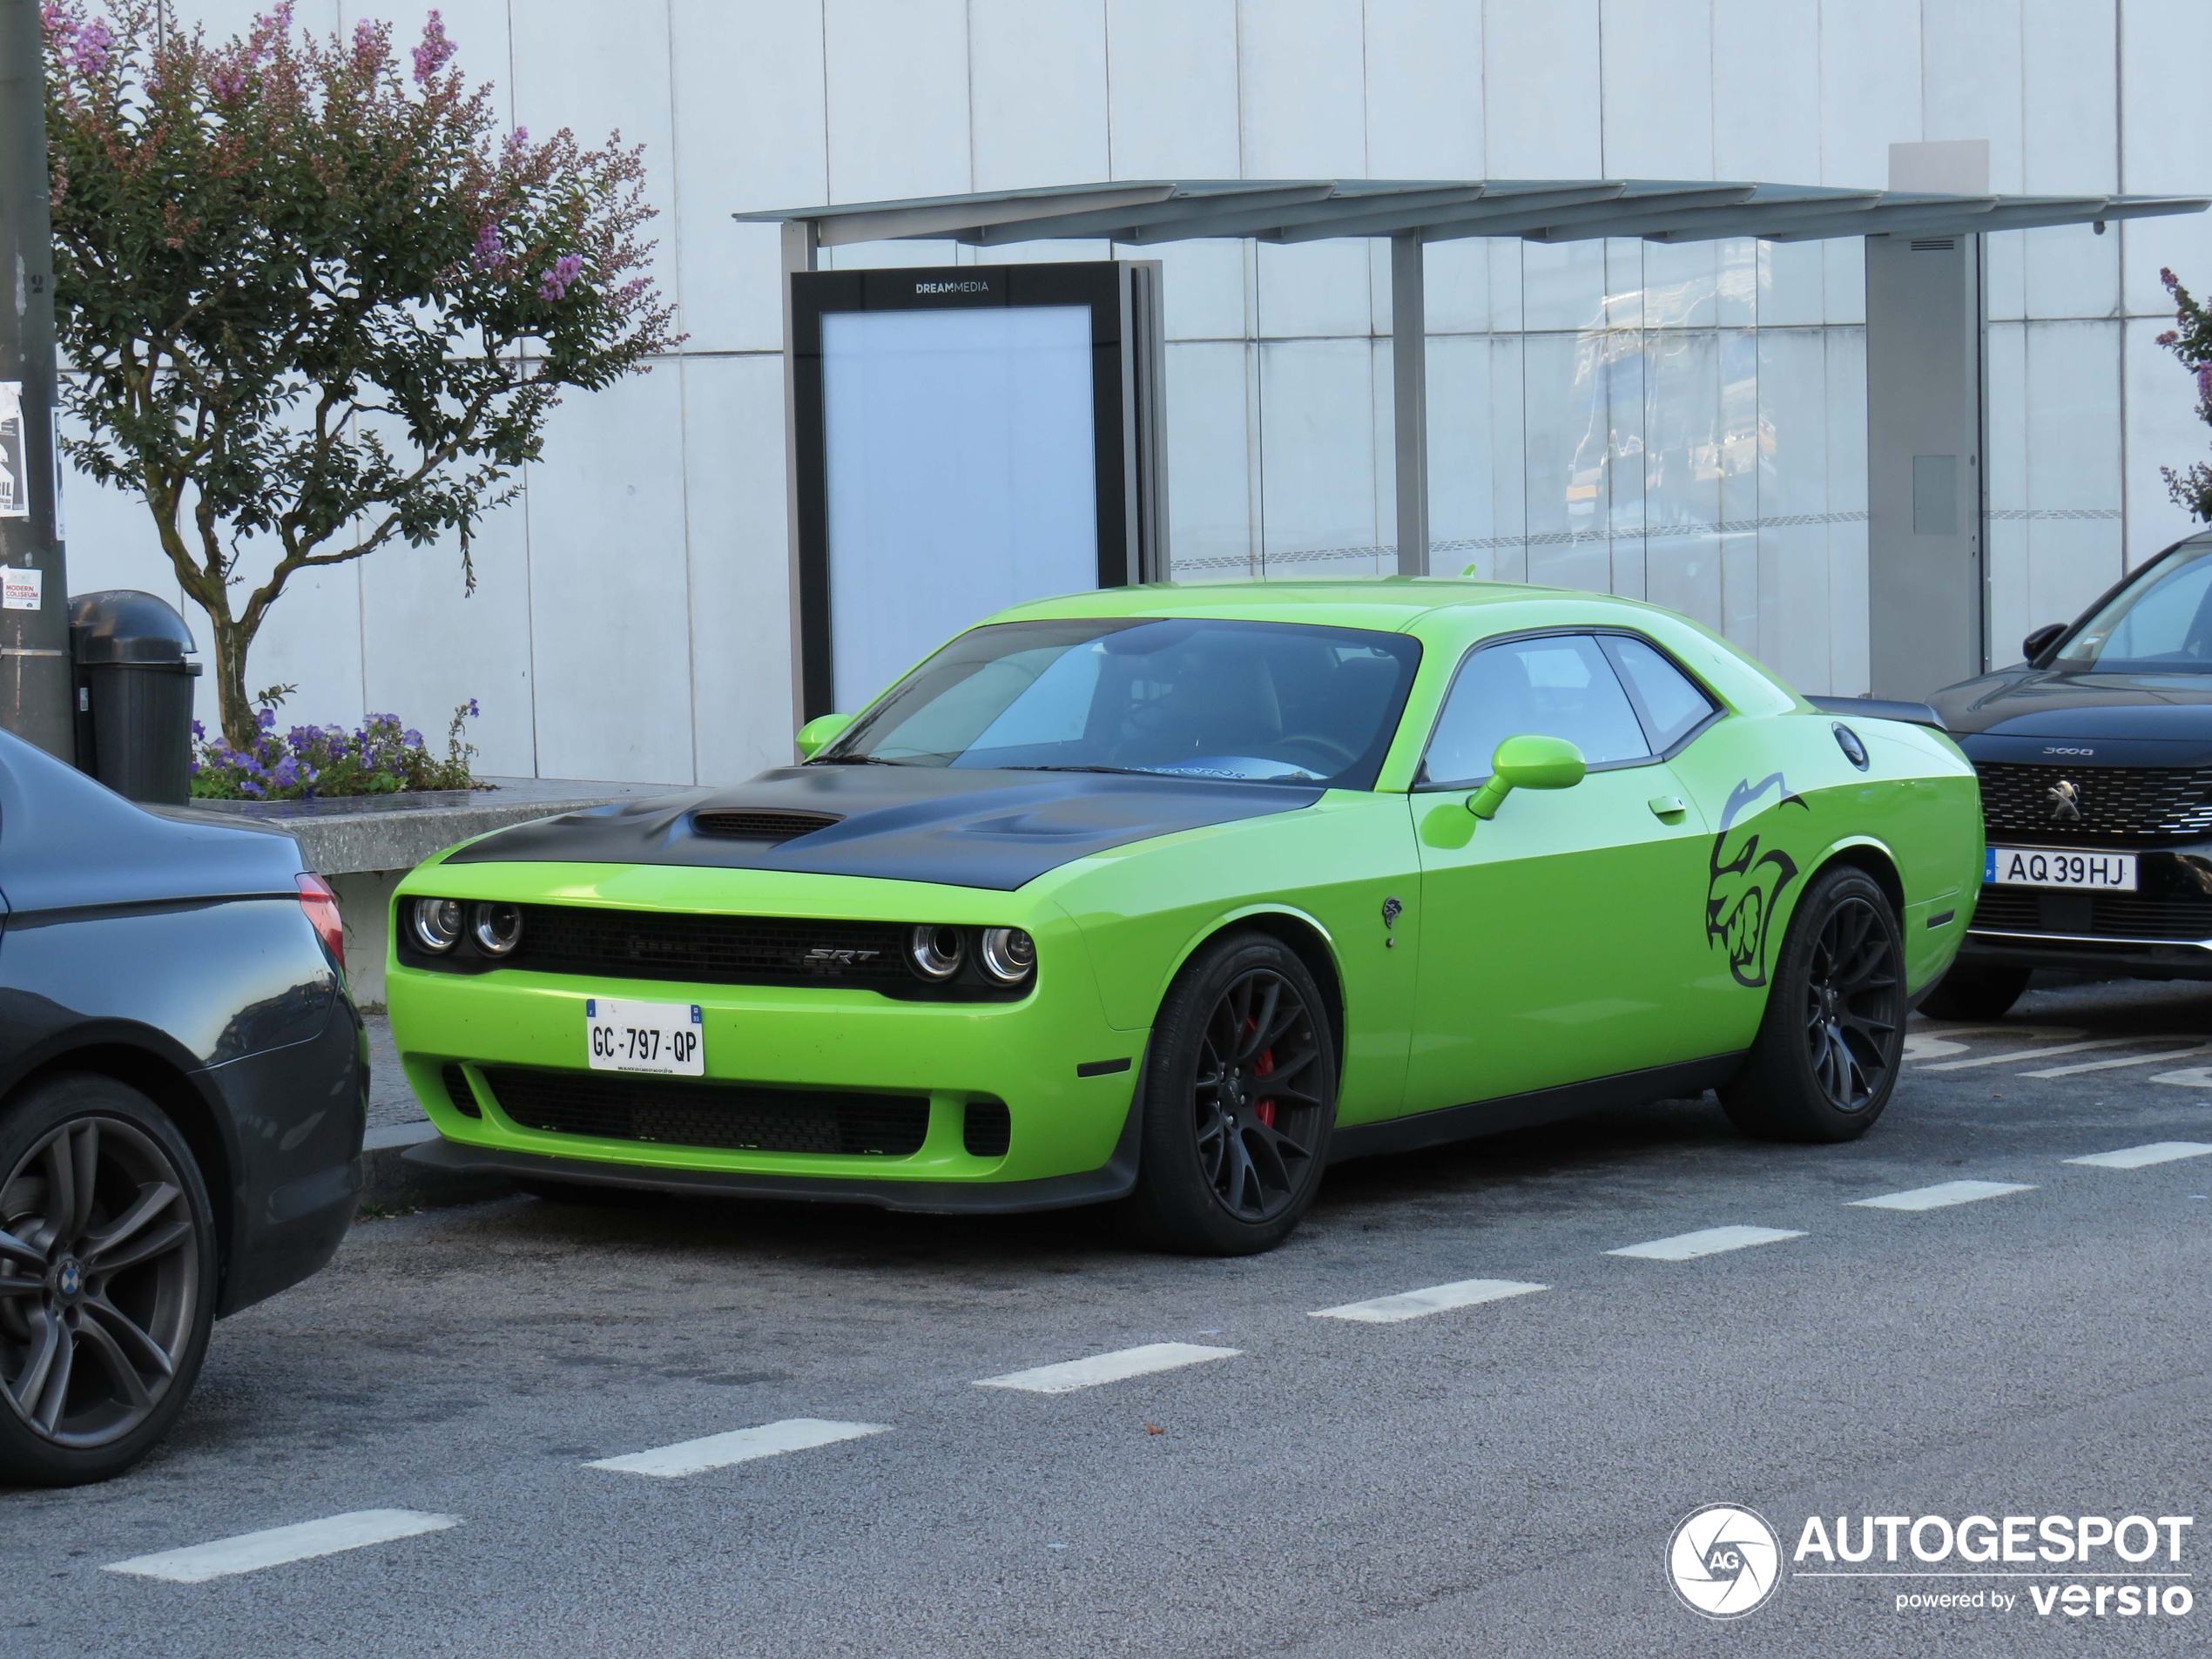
x,y
498,928
935,952
436,924
1008,954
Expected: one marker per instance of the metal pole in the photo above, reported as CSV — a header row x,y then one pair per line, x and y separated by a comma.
x,y
801,238
1409,397
35,678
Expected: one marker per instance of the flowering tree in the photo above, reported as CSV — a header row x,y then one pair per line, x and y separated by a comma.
x,y
312,297
2192,343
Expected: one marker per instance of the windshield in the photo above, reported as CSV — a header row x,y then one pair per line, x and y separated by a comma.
x,y
2159,623
1258,702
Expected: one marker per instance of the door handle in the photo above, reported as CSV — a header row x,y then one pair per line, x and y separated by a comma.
x,y
1667,809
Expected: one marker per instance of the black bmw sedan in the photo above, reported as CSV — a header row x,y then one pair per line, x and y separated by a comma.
x,y
183,1084
2095,757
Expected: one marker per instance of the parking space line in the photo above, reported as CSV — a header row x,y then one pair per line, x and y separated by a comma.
x,y
2137,1158
1065,1378
1941,1195
1413,1305
2124,1060
251,1551
737,1446
1711,1242
2036,1054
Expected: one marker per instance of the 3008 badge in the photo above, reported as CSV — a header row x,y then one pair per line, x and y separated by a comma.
x,y
667,1039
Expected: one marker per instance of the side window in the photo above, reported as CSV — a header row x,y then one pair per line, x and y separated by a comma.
x,y
1670,702
1560,686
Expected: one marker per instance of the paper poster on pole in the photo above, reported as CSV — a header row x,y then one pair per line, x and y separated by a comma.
x,y
61,531
20,590
15,454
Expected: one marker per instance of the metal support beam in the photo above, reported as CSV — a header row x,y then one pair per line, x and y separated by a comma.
x,y
801,238
1409,398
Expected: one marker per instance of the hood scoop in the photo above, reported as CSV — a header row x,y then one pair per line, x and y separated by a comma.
x,y
770,827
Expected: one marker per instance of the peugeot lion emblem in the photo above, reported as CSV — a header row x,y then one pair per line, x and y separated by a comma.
x,y
2065,802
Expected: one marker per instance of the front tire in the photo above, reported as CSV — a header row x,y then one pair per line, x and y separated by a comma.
x,y
1828,1050
1240,1098
107,1280
1975,991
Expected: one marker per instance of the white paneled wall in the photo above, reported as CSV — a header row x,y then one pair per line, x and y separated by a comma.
x,y
1683,424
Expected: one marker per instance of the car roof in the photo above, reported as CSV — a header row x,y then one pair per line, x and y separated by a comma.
x,y
1390,603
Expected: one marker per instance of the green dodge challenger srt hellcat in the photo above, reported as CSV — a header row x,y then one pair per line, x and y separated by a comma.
x,y
1171,896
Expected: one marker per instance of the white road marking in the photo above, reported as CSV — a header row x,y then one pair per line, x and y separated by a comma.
x,y
738,1446
2124,1060
2044,1033
1412,1305
251,1551
2035,1054
1066,1377
2189,1077
1711,1241
1936,1197
1918,1045
2136,1157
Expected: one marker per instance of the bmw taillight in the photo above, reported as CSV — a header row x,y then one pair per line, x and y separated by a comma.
x,y
320,905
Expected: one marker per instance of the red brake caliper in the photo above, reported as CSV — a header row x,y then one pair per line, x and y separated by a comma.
x,y
1262,1067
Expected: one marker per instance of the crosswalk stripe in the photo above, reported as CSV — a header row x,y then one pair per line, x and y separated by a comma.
x,y
737,1446
2136,1157
2114,1065
251,1551
1413,1305
1711,1242
1942,1194
1065,1378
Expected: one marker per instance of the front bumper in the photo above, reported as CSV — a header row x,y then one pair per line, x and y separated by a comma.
x,y
2163,930
1067,1081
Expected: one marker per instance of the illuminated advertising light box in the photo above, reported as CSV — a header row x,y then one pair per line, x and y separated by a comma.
x,y
967,437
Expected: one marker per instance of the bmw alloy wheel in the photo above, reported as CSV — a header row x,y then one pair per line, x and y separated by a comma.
x,y
100,1278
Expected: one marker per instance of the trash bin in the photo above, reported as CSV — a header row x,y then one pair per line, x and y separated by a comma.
x,y
134,693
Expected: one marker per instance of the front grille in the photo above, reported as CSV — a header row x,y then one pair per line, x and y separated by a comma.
x,y
987,1128
457,1091
2108,916
670,1112
2115,802
710,950
762,827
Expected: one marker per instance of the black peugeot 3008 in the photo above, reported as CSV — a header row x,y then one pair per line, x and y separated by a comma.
x,y
183,1082
2095,757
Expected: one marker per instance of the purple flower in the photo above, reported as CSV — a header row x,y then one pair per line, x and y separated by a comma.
x,y
434,52
411,738
490,253
561,277
511,153
2204,380
473,710
199,730
226,82
88,49
269,719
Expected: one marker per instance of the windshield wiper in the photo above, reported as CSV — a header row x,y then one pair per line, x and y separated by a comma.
x,y
1127,771
855,760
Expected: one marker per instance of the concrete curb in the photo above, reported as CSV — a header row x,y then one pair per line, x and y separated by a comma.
x,y
389,1182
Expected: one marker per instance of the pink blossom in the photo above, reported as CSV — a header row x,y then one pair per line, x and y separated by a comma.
x,y
490,253
226,82
511,152
2204,380
2167,338
2166,275
561,277
365,38
86,52
434,52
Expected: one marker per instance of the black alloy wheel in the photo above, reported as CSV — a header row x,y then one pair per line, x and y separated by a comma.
x,y
1240,1099
1830,1043
1853,1004
106,1280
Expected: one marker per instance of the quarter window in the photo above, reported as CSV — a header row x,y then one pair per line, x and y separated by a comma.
x,y
1555,686
1668,700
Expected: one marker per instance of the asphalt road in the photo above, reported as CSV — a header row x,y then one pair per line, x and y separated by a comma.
x,y
1495,1478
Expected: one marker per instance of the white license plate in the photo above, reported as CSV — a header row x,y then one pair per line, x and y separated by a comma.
x,y
668,1038
2028,867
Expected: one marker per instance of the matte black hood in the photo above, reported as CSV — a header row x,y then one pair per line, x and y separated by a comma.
x,y
964,827
2117,719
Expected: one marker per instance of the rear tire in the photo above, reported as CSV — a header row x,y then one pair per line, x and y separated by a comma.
x,y
1240,1098
1826,1055
1975,991
107,1280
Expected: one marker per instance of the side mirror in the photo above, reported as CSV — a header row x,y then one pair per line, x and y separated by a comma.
x,y
2040,641
1527,762
816,734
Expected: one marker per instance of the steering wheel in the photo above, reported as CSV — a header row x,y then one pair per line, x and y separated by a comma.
x,y
1335,756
